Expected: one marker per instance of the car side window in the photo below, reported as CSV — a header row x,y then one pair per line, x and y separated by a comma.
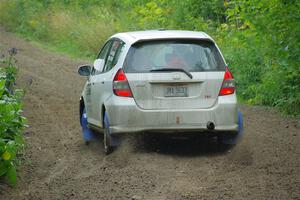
x,y
103,55
114,54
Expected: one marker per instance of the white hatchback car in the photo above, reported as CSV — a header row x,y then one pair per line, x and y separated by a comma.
x,y
159,81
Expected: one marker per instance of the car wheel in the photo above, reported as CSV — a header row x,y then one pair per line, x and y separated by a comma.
x,y
232,140
227,139
108,148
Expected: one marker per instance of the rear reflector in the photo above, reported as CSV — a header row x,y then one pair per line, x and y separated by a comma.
x,y
121,85
228,86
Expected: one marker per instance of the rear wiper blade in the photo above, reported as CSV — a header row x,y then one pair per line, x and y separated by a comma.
x,y
165,69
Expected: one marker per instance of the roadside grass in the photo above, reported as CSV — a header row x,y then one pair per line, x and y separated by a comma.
x,y
72,31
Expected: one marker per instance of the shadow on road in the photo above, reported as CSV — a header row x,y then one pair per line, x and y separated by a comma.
x,y
188,145
191,145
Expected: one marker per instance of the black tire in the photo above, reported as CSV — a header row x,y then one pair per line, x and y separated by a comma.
x,y
231,139
106,137
223,140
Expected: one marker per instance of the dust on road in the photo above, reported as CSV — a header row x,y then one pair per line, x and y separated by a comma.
x,y
57,164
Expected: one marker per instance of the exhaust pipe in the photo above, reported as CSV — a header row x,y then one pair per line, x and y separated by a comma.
x,y
210,126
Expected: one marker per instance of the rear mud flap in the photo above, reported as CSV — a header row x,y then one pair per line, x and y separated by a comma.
x,y
234,140
87,133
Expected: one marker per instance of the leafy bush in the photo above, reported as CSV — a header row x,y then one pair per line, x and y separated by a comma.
x,y
264,47
11,121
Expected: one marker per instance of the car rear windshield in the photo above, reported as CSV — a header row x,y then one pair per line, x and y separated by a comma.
x,y
190,55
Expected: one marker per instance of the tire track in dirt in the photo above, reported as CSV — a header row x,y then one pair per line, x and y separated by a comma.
x,y
57,164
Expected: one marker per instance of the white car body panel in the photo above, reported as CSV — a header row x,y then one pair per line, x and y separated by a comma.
x,y
157,113
223,114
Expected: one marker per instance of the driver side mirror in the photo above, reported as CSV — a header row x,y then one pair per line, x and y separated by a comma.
x,y
99,64
84,70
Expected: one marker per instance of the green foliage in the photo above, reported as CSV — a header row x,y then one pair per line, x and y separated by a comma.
x,y
152,14
11,121
259,38
270,39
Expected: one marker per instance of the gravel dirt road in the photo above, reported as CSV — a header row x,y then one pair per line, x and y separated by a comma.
x,y
58,165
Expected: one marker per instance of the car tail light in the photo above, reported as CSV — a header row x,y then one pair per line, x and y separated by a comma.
x,y
228,86
121,85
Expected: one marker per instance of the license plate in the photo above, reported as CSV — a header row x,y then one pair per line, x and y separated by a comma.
x,y
176,91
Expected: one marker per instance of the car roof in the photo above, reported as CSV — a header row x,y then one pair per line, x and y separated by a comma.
x,y
132,37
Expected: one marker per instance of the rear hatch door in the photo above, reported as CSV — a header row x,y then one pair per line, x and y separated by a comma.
x,y
174,74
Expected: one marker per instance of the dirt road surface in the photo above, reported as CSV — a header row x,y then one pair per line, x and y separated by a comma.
x,y
58,165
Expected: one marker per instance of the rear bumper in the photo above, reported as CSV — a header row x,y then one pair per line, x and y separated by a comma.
x,y
126,117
